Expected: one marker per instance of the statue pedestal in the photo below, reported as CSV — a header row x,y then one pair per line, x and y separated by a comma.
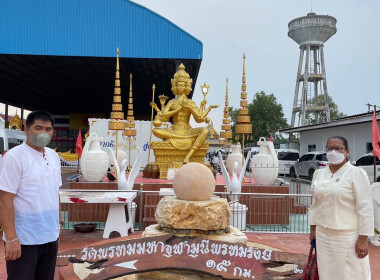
x,y
209,215
167,156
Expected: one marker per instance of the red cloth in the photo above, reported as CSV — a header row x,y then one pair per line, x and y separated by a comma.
x,y
78,146
375,136
270,137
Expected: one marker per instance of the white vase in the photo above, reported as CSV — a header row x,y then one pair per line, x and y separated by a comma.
x,y
235,155
94,161
264,165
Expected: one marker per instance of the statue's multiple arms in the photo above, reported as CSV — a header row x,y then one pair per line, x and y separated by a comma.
x,y
167,112
155,107
200,116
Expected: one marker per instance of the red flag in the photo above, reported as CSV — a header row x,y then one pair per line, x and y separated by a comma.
x,y
270,137
78,146
375,136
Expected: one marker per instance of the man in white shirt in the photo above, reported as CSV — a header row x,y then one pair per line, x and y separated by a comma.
x,y
30,177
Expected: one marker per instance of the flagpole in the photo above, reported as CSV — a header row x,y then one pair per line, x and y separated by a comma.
x,y
78,147
78,165
375,141
374,156
77,154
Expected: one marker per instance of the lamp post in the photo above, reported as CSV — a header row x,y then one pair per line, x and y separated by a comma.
x,y
205,89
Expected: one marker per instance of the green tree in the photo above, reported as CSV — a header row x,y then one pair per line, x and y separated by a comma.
x,y
233,116
267,116
334,112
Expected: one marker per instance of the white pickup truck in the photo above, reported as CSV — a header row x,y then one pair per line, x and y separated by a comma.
x,y
10,138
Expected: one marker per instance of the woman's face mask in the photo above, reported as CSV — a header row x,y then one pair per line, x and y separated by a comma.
x,y
40,140
335,157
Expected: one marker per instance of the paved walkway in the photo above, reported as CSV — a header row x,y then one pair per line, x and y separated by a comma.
x,y
292,243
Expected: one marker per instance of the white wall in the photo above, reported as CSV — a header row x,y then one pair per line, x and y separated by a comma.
x,y
100,127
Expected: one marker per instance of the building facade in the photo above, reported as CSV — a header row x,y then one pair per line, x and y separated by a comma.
x,y
357,129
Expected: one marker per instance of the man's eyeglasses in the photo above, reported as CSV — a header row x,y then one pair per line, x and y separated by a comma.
x,y
338,149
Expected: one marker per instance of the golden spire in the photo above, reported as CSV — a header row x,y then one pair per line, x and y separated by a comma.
x,y
117,108
226,126
130,130
243,122
130,125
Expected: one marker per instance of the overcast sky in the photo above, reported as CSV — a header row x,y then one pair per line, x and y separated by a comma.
x,y
259,28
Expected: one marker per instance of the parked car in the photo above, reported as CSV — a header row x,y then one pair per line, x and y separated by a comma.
x,y
254,151
10,138
286,158
366,162
308,163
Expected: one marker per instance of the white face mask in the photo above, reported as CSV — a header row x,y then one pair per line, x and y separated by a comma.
x,y
335,157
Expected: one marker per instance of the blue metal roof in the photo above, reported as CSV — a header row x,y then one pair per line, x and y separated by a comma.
x,y
91,28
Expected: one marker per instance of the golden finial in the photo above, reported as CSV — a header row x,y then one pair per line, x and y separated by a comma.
x,y
117,108
130,130
117,60
130,85
130,126
244,63
243,121
226,126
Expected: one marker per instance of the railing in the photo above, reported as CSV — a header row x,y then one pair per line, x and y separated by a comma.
x,y
67,164
257,212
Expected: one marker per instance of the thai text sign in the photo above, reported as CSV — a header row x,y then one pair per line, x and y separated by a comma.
x,y
228,260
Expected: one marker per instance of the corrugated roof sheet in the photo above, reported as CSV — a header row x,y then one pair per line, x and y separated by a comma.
x,y
91,28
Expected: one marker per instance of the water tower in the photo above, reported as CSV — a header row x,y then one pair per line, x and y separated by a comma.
x,y
311,32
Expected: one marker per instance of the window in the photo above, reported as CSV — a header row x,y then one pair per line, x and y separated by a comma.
x,y
321,157
311,148
1,145
310,156
13,142
306,157
369,147
365,160
287,156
